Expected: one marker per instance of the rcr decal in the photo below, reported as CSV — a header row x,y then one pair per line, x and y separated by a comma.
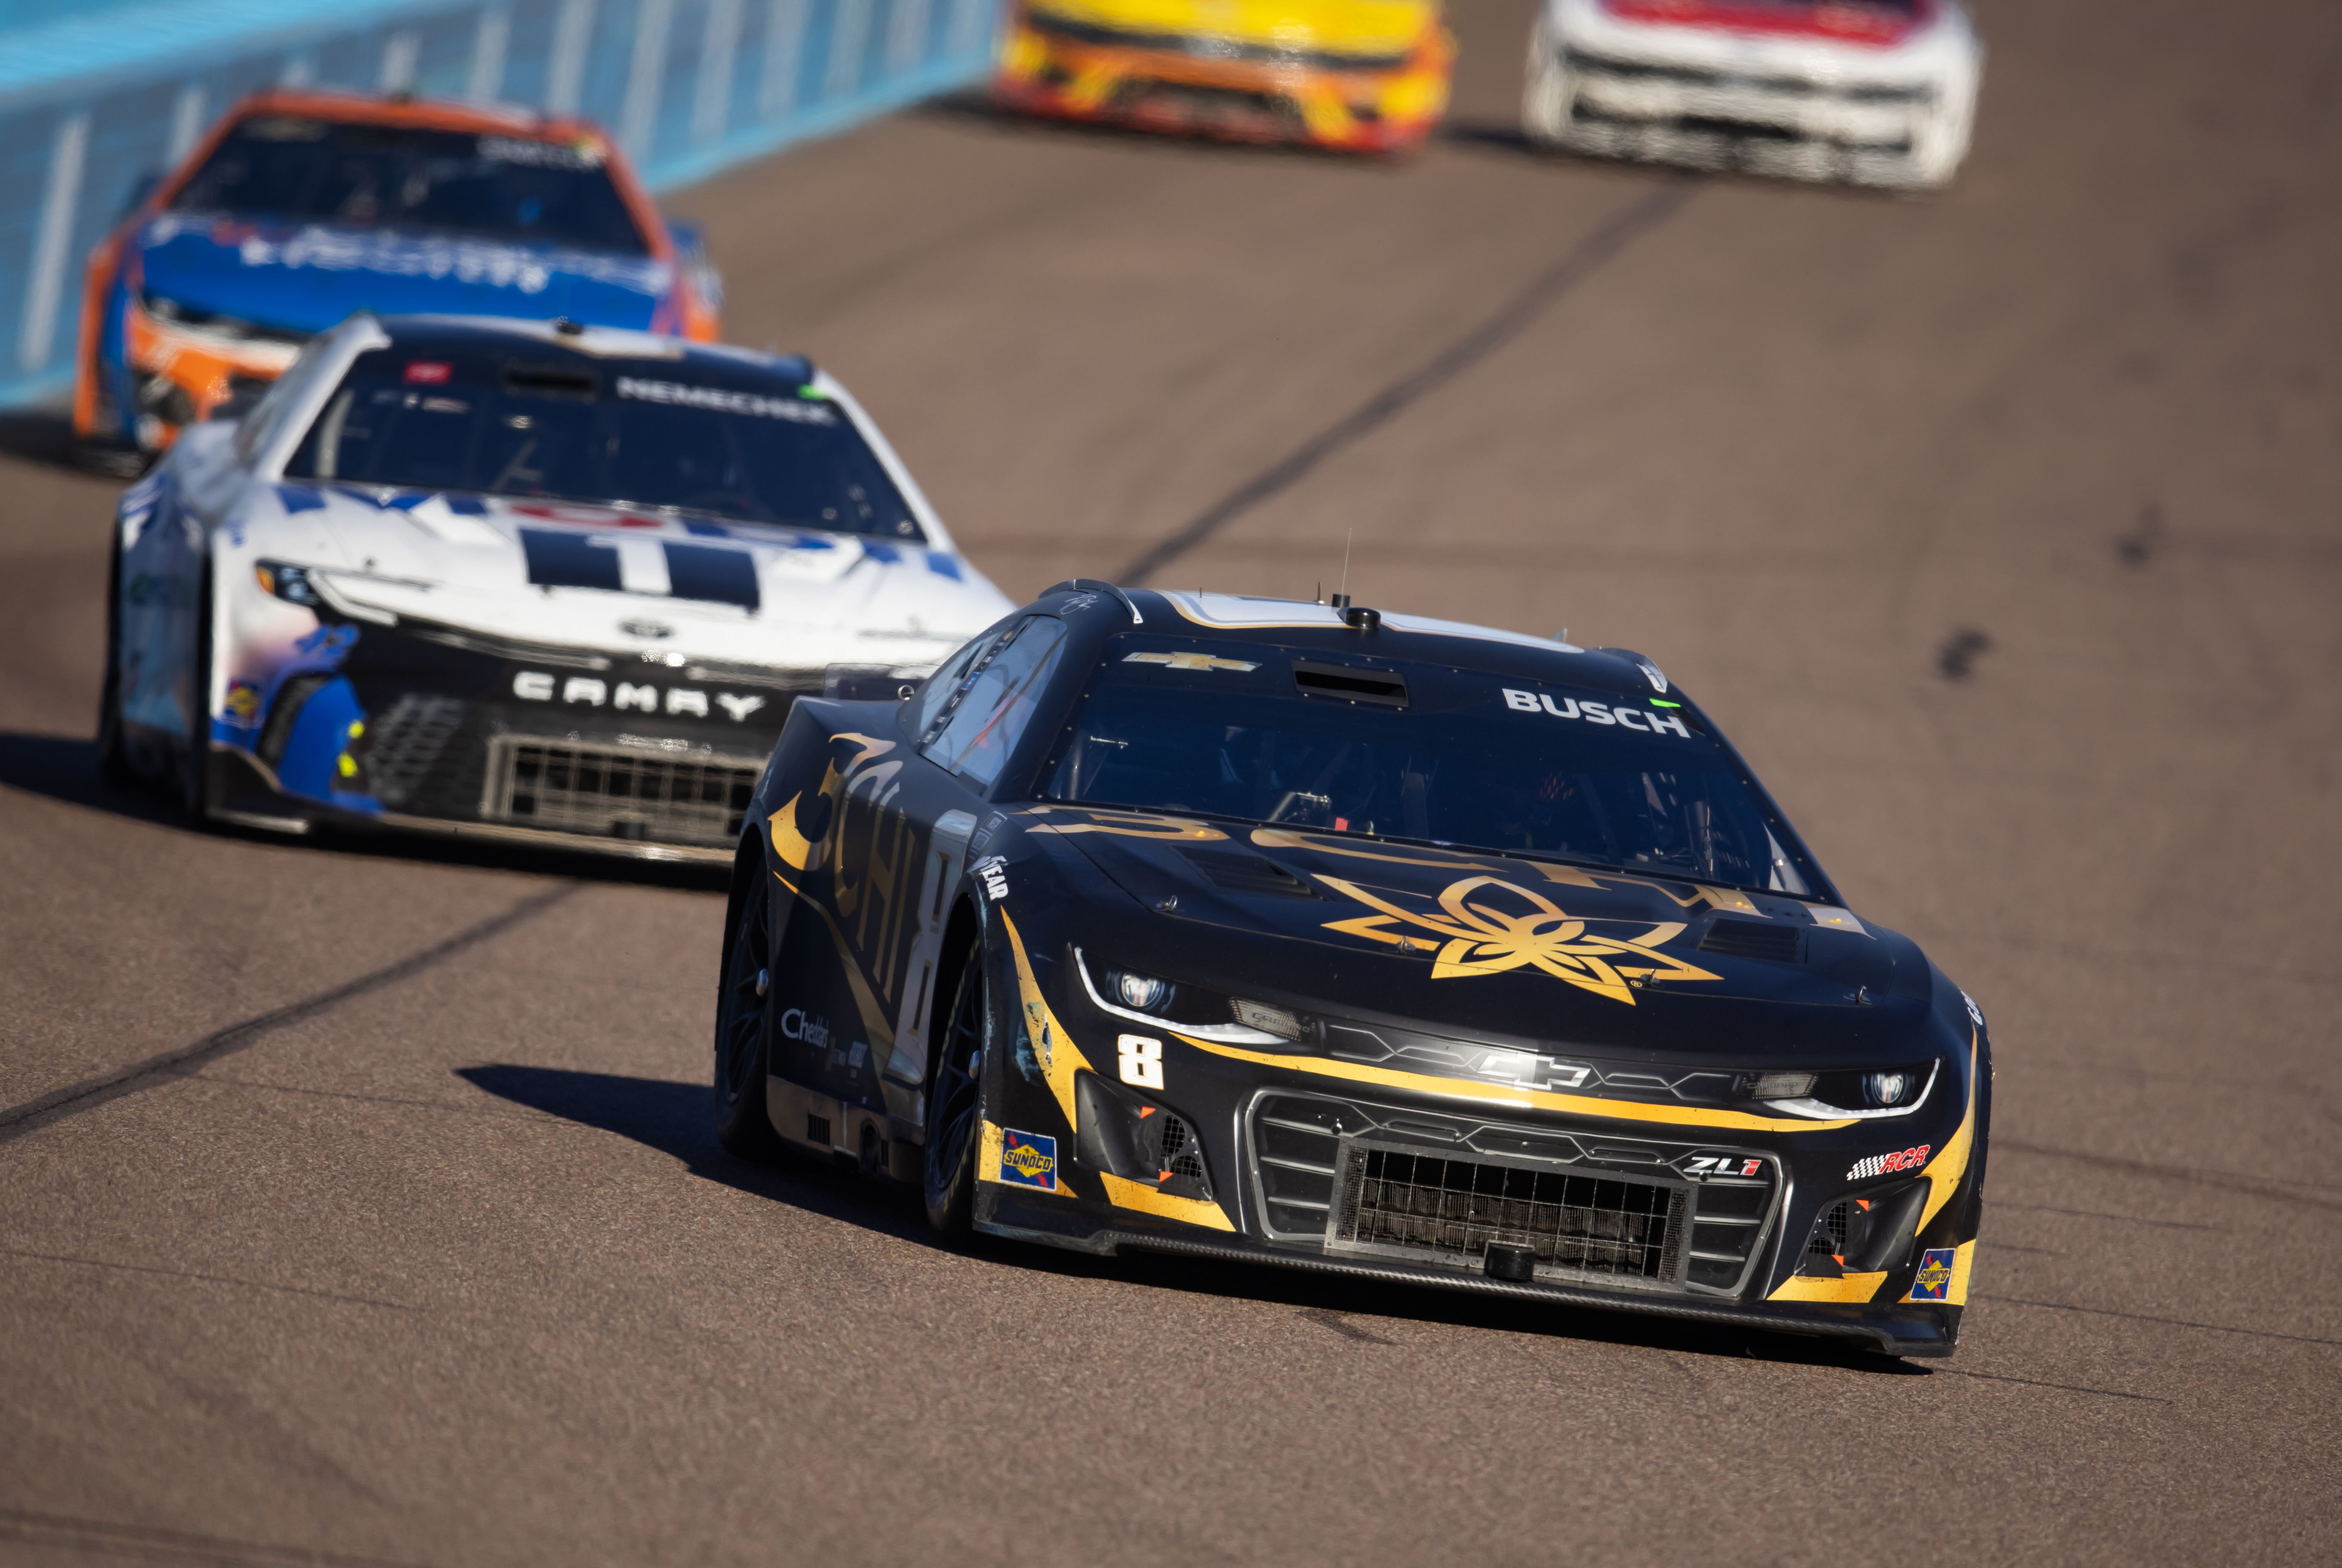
x,y
799,1024
629,696
1723,1165
1881,1164
1620,714
1142,1060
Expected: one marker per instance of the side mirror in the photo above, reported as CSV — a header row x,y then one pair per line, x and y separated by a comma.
x,y
691,250
244,393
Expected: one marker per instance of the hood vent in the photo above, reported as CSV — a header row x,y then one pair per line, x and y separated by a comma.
x,y
1239,873
1385,688
1752,939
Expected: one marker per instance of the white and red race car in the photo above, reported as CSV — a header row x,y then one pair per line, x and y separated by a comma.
x,y
1875,92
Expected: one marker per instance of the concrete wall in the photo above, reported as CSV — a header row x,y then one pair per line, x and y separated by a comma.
x,y
96,97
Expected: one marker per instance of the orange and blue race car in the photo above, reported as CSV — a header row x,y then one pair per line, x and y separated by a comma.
x,y
301,207
1360,75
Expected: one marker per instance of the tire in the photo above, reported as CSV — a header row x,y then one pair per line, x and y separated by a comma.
x,y
114,763
741,1045
196,777
956,1100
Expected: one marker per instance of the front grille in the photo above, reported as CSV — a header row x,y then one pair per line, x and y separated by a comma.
x,y
1580,1223
1207,46
1240,873
1180,1154
1752,939
1234,106
1729,1197
403,745
569,787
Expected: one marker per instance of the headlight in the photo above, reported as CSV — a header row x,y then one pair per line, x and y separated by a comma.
x,y
1861,1092
289,583
1143,992
1191,1010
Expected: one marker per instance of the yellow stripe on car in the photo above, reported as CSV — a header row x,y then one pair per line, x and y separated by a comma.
x,y
1523,1099
1844,1288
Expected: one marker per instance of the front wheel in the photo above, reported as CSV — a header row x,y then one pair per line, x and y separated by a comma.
x,y
956,1101
113,765
741,1123
195,781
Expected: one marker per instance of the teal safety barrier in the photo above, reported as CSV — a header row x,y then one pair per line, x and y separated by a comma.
x,y
98,96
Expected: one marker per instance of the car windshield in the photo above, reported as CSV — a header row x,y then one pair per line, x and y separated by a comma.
x,y
1423,752
678,435
517,188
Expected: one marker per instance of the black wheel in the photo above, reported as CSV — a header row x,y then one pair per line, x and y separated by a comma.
x,y
113,765
956,1100
741,1123
195,781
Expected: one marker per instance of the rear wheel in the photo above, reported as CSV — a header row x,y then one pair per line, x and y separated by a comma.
x,y
195,781
741,1123
956,1100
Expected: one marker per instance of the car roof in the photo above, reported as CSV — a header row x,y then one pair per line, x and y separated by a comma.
x,y
422,114
724,363
1395,635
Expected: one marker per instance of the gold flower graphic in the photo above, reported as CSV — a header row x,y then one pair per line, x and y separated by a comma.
x,y
1482,939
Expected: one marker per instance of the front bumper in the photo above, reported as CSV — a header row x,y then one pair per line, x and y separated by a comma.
x,y
430,729
1309,1160
1368,108
1610,98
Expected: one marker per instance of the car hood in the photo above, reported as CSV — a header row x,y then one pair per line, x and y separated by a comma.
x,y
558,574
1362,28
1497,945
305,278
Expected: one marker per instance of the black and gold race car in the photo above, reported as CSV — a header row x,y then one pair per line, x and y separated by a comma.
x,y
1360,943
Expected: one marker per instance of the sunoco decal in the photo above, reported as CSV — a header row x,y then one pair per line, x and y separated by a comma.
x,y
1935,1281
1028,1160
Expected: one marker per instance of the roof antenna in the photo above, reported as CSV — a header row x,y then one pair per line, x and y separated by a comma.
x,y
1342,598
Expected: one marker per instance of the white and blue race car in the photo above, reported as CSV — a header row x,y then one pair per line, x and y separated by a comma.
x,y
516,579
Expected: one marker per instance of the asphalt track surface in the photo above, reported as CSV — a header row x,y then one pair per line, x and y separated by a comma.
x,y
358,1203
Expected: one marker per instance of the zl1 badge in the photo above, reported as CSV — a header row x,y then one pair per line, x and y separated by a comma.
x,y
1028,1160
1935,1281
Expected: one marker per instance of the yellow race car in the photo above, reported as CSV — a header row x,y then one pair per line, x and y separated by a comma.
x,y
1362,76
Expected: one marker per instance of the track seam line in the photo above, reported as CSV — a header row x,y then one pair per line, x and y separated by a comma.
x,y
1507,322
208,1279
2172,1322
59,1105
147,1541
2037,1382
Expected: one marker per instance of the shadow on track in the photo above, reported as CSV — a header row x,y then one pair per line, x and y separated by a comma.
x,y
46,436
64,768
673,1118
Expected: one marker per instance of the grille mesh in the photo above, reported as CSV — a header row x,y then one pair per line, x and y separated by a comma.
x,y
1581,1223
575,788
